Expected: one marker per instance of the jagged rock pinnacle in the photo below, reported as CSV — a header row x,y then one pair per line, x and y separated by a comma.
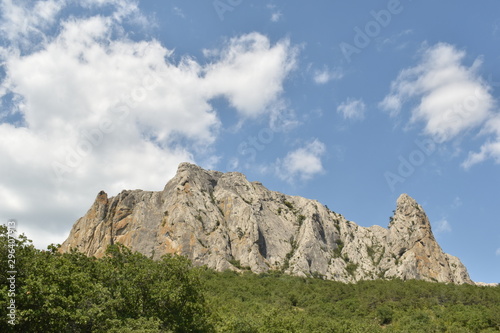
x,y
102,198
408,213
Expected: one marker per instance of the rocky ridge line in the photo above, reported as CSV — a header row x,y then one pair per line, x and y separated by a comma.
x,y
226,222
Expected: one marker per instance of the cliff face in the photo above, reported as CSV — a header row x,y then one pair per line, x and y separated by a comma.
x,y
226,222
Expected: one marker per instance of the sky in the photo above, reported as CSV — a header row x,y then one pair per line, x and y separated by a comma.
x,y
348,103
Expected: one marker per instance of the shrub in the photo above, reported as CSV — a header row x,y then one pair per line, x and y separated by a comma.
x,y
288,204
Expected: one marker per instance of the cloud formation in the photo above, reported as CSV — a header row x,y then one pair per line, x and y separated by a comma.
x,y
275,17
450,97
352,109
21,20
491,148
97,110
326,75
302,163
276,14
249,72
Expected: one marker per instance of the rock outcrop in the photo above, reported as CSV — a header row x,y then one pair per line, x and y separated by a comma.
x,y
226,222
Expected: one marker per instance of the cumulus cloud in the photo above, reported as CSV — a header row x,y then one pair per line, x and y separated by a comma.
x,y
100,111
326,75
450,97
303,163
250,72
352,109
24,23
21,20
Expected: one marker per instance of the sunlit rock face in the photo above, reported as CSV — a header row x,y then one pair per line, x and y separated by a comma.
x,y
226,222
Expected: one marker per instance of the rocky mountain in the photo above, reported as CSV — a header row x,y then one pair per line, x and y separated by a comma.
x,y
226,222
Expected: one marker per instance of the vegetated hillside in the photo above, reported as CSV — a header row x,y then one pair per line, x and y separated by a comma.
x,y
282,303
226,222
125,292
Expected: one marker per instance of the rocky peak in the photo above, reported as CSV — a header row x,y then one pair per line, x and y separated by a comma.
x,y
409,225
405,199
226,222
102,198
414,248
409,213
189,175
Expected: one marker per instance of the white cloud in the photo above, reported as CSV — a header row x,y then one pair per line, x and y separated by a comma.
x,y
103,112
250,73
23,23
326,75
491,148
303,163
442,226
451,97
276,14
498,252
21,20
352,109
43,237
275,17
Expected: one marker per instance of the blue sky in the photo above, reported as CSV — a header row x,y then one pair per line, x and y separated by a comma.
x,y
349,104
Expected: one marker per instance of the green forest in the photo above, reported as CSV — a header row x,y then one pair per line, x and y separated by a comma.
x,y
126,292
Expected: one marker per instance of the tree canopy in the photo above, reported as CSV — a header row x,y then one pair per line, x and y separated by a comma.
x,y
128,292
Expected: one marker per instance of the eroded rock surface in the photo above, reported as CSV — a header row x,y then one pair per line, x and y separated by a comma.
x,y
226,222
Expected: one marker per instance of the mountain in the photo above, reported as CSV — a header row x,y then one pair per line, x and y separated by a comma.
x,y
226,222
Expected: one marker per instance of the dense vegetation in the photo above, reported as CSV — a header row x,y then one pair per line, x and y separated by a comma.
x,y
280,303
122,292
128,292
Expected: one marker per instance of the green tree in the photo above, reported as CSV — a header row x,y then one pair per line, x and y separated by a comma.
x,y
122,292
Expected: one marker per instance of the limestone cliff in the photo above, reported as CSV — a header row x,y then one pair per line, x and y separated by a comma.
x,y
226,222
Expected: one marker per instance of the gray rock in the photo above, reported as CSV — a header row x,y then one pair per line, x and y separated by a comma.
x,y
483,284
226,222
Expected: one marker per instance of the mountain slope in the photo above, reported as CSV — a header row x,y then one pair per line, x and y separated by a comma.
x,y
226,222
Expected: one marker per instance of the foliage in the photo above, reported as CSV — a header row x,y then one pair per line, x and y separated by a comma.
x,y
128,292
371,252
237,264
300,219
273,302
122,292
338,249
289,255
351,268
